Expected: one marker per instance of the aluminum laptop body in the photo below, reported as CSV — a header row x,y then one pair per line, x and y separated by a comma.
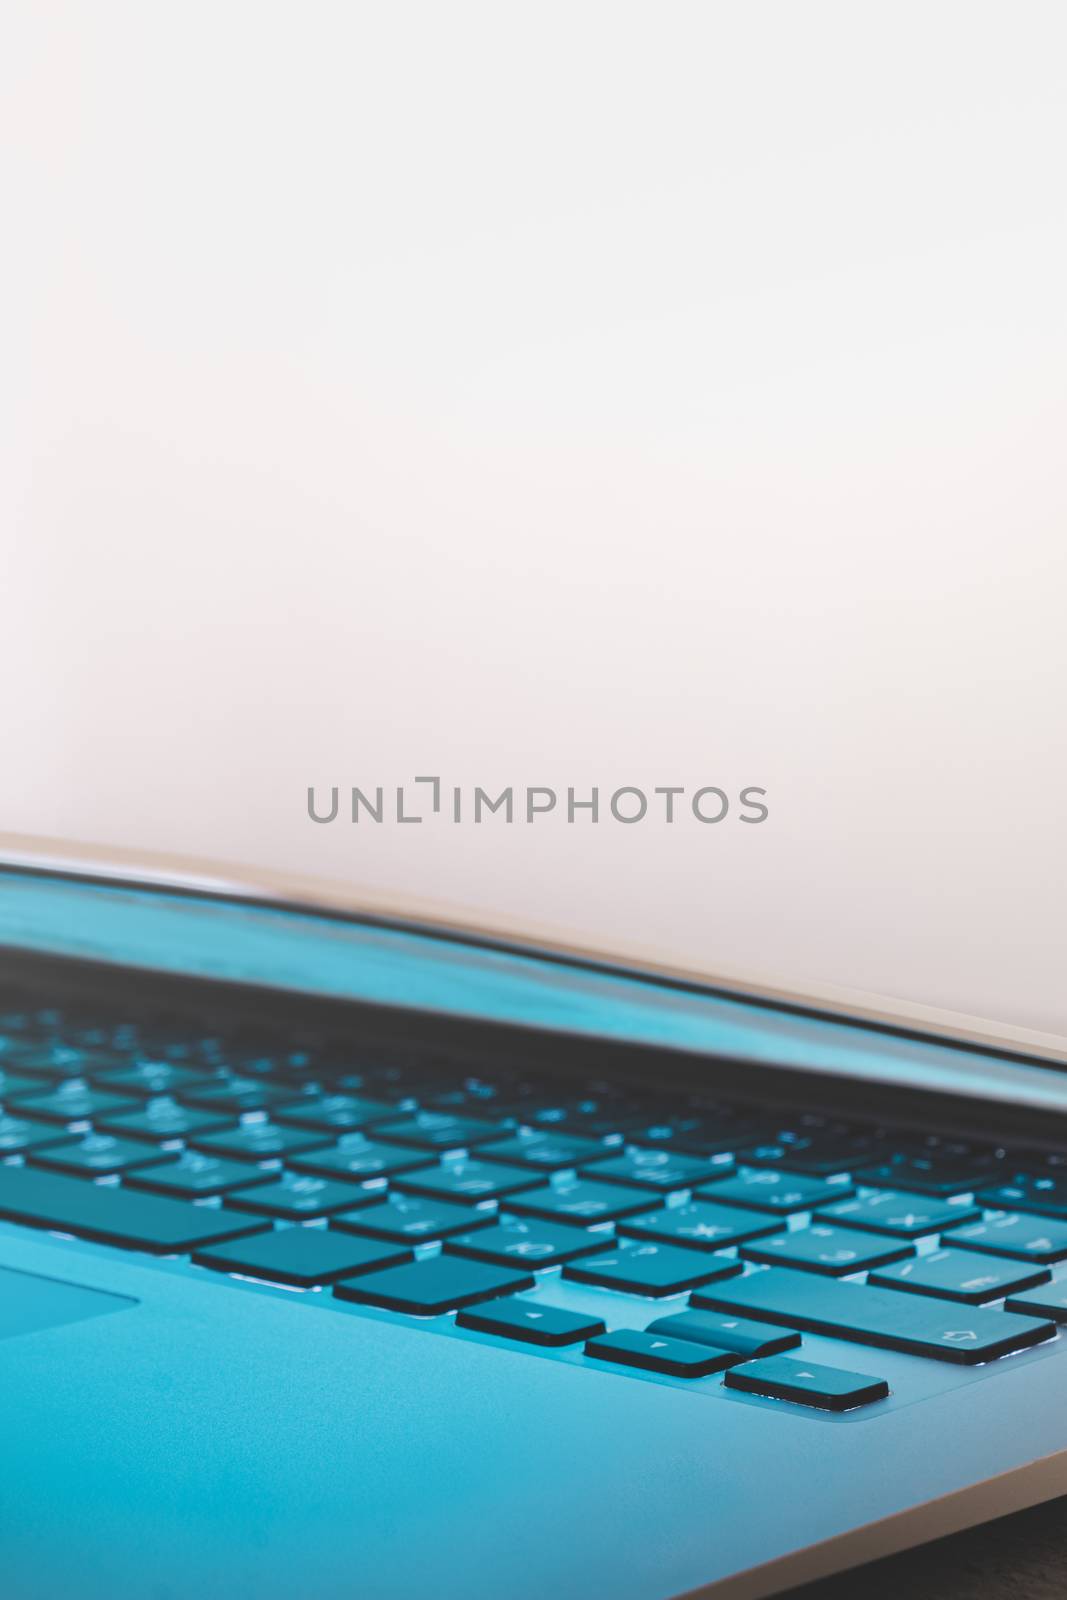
x,y
179,1420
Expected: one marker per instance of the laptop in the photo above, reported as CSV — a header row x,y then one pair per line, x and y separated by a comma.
x,y
350,1254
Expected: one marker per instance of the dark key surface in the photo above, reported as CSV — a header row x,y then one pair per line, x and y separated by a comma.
x,y
924,1176
700,1225
1014,1234
235,1093
341,1112
779,1192
529,1241
17,1135
468,1181
818,1154
97,1155
530,1322
962,1275
297,1196
429,1288
658,1169
1048,1302
303,1257
831,1251
651,1269
550,1152
806,1383
724,1332
882,1317
655,1352
905,1215
259,1141
362,1158
147,1079
58,1062
17,1083
195,1176
414,1219
158,1121
583,1202
438,1130
72,1102
111,1215
1045,1196
706,1133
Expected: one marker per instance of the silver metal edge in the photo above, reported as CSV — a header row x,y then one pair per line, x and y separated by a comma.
x,y
151,869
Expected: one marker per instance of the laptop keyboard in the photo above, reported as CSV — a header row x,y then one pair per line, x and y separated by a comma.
x,y
704,1239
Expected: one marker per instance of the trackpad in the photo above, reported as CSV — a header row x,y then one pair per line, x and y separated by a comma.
x,y
29,1303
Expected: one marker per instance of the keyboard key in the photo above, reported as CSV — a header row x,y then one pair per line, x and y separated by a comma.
x,y
97,1155
344,1112
362,1158
259,1141
195,1176
303,1257
531,1322
530,1241
17,1135
582,1202
651,1269
779,1192
925,1176
832,1251
654,1352
1048,1302
806,1383
550,1152
235,1093
12,1083
296,1197
816,1155
957,1275
700,1225
147,1079
410,1219
709,1132
908,1216
1025,1238
469,1181
659,1169
162,1122
724,1332
437,1130
1046,1196
58,1062
880,1317
110,1215
71,1102
429,1288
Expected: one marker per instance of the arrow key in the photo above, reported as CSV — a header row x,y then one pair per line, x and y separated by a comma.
x,y
681,1358
532,1323
806,1383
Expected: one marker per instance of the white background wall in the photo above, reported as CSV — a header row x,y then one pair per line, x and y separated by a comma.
x,y
565,393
